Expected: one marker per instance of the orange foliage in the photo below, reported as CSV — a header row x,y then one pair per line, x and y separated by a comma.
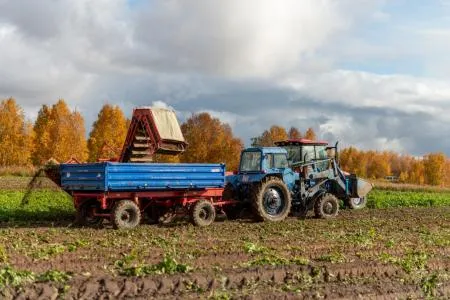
x,y
310,134
431,169
269,137
294,133
59,134
108,133
15,135
210,141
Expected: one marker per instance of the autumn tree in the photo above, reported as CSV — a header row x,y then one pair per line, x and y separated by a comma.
x,y
269,137
294,133
15,135
447,172
354,161
310,134
41,140
434,164
377,166
65,131
416,173
210,141
108,133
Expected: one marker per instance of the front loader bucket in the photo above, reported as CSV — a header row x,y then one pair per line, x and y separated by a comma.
x,y
363,187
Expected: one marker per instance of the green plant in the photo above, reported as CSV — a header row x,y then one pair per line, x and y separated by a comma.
x,y
3,255
167,266
54,276
334,258
12,277
253,248
412,261
399,198
428,285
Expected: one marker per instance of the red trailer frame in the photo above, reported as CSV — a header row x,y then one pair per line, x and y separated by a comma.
x,y
180,202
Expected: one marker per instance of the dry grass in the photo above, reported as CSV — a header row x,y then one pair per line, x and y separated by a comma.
x,y
22,171
406,187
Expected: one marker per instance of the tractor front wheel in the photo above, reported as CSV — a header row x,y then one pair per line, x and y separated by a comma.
x,y
271,200
326,207
203,213
356,203
126,215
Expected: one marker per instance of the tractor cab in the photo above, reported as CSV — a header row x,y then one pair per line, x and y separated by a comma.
x,y
263,160
304,150
258,163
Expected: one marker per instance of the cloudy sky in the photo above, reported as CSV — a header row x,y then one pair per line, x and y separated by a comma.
x,y
370,73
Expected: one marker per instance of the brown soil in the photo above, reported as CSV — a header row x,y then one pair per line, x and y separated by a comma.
x,y
371,254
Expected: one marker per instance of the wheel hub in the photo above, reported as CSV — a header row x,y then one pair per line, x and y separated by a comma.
x,y
356,201
125,216
272,201
328,208
203,214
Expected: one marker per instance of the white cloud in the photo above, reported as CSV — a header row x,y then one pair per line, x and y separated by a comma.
x,y
361,89
250,63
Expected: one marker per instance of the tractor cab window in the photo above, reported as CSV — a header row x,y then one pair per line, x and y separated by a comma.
x,y
321,156
276,161
321,153
293,155
280,161
251,161
308,153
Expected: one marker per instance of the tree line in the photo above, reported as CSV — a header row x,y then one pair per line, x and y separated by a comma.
x,y
60,133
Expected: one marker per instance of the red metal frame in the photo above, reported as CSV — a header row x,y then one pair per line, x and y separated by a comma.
x,y
144,117
301,141
145,199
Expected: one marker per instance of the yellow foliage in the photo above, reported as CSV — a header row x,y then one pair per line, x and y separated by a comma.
x,y
310,134
294,133
210,141
269,137
108,133
15,135
59,134
434,167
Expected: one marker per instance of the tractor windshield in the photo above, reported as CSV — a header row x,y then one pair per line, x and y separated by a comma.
x,y
293,154
251,161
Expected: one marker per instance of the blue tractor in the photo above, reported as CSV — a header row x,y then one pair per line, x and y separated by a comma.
x,y
293,178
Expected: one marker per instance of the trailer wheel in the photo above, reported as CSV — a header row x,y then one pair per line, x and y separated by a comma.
x,y
326,206
85,215
203,213
356,203
126,215
271,200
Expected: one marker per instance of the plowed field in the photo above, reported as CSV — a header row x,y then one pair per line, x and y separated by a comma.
x,y
373,253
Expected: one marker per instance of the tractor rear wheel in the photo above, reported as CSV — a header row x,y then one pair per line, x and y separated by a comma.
x,y
203,213
326,206
271,200
356,203
85,214
126,215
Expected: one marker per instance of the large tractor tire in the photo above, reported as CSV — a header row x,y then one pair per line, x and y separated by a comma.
x,y
126,215
356,203
85,215
326,206
271,200
203,213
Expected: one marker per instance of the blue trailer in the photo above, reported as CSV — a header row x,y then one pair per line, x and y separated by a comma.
x,y
125,192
